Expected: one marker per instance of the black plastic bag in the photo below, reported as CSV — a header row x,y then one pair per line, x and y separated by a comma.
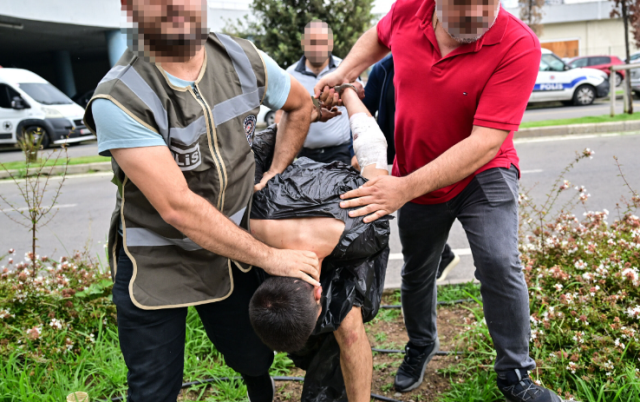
x,y
354,273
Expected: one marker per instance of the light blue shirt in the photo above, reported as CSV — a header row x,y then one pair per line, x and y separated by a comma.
x,y
116,129
334,132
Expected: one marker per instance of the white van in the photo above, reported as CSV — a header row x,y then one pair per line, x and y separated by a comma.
x,y
28,102
558,82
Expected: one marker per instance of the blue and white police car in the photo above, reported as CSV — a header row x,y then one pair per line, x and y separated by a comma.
x,y
572,86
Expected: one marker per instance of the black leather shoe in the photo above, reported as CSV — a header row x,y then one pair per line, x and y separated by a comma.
x,y
516,386
411,372
261,388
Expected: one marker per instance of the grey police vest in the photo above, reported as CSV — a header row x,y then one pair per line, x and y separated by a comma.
x,y
208,130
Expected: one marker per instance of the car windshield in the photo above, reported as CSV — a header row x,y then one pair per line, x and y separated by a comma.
x,y
46,94
550,62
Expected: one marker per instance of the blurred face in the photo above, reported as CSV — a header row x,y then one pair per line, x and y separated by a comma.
x,y
467,20
317,43
170,29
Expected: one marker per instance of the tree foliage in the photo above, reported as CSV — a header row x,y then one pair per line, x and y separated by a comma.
x,y
531,14
632,10
276,26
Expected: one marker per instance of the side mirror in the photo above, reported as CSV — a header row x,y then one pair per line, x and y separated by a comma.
x,y
18,103
567,67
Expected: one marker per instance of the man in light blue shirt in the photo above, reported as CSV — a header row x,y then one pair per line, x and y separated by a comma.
x,y
330,141
172,36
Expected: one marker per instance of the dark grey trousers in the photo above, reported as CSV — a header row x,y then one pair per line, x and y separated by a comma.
x,y
488,211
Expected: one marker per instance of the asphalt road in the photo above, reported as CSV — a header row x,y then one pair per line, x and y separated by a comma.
x,y
86,202
536,112
553,111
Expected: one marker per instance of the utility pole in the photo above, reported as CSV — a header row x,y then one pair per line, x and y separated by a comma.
x,y
627,80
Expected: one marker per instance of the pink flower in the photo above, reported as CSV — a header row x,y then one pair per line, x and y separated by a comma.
x,y
580,264
34,333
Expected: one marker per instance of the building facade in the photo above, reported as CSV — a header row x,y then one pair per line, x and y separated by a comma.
x,y
581,28
73,43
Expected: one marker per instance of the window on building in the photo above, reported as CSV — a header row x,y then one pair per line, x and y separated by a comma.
x,y
596,61
6,96
579,63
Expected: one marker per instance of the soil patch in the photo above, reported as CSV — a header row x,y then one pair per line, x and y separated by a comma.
x,y
387,331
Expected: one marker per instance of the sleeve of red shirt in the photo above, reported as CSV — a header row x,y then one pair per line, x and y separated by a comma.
x,y
385,27
504,99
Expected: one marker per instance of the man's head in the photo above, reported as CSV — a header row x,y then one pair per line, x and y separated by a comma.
x,y
167,30
317,42
467,20
284,311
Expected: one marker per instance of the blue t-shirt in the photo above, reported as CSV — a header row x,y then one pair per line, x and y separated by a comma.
x,y
116,129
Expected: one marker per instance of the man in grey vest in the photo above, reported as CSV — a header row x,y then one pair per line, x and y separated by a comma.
x,y
329,141
178,114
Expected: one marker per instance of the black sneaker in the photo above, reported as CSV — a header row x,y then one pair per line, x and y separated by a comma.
x,y
518,387
261,388
448,261
411,371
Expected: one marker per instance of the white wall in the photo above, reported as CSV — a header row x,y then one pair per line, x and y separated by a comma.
x,y
98,13
105,13
596,37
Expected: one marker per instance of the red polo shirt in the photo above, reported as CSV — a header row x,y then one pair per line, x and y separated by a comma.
x,y
438,100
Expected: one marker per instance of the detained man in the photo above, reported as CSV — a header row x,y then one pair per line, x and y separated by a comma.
x,y
299,209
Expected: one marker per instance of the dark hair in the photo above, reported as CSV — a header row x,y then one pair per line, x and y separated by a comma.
x,y
317,22
283,313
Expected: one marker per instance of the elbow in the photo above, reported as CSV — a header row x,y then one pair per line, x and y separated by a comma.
x,y
493,151
173,217
172,211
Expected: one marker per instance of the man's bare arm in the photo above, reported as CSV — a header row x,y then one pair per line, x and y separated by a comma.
x,y
292,130
385,195
155,173
364,53
354,105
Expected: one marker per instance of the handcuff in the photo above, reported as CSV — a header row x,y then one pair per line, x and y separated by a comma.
x,y
339,89
318,106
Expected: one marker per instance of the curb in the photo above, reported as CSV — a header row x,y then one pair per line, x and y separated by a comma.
x,y
71,169
575,129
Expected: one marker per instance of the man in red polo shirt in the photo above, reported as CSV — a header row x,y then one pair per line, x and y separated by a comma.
x,y
464,71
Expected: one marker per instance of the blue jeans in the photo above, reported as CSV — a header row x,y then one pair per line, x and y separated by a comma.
x,y
488,211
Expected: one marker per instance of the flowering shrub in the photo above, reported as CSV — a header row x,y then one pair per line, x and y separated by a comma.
x,y
584,290
59,307
585,296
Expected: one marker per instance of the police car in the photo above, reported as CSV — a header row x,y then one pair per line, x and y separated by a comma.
x,y
572,86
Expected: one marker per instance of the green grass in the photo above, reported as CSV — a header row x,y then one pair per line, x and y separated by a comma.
x,y
101,371
448,293
605,118
52,162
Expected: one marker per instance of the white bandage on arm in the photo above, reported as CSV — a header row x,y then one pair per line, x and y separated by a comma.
x,y
369,143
